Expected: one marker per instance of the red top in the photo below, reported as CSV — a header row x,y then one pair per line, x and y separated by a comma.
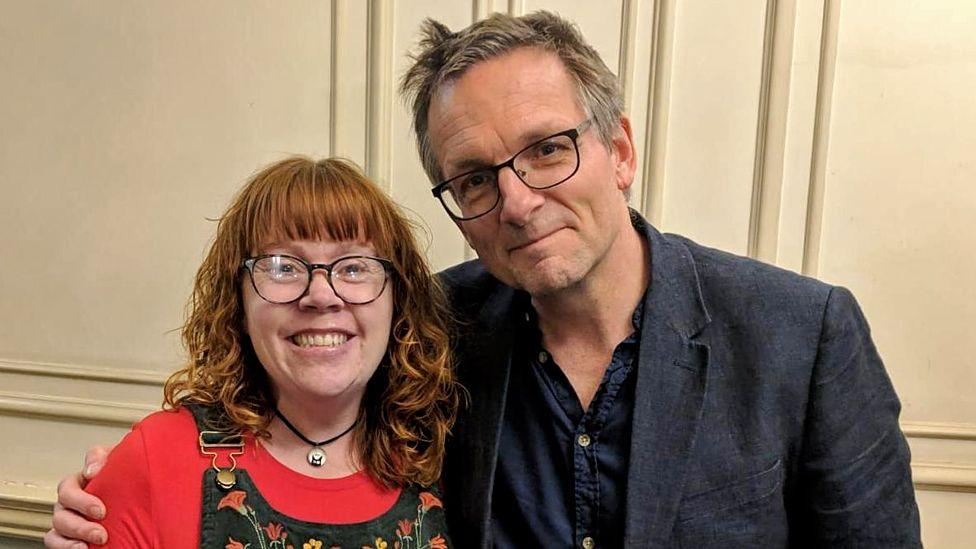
x,y
151,486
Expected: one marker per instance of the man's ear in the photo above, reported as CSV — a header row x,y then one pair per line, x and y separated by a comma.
x,y
623,150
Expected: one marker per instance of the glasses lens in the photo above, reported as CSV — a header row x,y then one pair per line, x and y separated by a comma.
x,y
279,279
472,194
358,279
547,163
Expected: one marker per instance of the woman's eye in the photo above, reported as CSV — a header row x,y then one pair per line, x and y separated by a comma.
x,y
278,269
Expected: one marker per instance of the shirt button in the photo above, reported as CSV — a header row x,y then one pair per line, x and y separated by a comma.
x,y
588,543
543,356
527,317
584,441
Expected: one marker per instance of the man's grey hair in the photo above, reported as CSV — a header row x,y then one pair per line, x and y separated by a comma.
x,y
443,56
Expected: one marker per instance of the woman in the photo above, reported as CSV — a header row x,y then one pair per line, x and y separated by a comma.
x,y
318,394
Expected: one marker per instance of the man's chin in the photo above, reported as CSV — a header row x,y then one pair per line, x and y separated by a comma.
x,y
545,280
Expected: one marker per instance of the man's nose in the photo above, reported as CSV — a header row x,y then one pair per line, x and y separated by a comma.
x,y
518,200
320,294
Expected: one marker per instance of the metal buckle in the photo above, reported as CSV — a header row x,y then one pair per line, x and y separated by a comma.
x,y
226,479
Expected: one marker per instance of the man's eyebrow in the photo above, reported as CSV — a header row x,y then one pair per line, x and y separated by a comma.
x,y
471,163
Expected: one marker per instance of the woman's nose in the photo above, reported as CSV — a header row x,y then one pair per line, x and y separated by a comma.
x,y
320,294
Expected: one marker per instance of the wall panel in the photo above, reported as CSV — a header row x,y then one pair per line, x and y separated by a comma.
x,y
410,186
710,148
899,203
126,126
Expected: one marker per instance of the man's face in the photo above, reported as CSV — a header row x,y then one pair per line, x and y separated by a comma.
x,y
542,241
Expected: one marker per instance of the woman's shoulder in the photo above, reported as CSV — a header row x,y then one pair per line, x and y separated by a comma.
x,y
167,425
151,482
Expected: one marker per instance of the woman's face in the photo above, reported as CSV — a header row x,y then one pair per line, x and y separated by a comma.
x,y
318,347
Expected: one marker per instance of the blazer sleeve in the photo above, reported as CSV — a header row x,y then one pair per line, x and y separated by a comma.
x,y
855,472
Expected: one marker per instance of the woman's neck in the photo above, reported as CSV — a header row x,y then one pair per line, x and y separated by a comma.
x,y
317,423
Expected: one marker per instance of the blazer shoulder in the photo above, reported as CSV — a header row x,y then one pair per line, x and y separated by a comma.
x,y
468,283
730,281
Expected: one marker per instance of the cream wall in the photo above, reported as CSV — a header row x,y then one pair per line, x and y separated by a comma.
x,y
827,137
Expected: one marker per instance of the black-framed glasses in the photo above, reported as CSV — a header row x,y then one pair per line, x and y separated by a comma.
x,y
356,279
542,165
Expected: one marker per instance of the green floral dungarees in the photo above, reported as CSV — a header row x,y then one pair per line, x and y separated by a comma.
x,y
240,518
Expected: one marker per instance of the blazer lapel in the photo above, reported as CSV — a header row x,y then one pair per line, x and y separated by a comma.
x,y
486,352
671,384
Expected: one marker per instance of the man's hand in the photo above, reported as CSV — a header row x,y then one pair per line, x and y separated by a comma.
x,y
71,526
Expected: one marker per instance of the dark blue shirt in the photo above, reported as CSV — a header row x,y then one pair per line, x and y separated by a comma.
x,y
561,477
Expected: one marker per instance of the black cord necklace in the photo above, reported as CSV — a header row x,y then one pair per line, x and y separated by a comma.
x,y
316,456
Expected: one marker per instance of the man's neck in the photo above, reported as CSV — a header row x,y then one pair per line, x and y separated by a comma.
x,y
582,325
600,307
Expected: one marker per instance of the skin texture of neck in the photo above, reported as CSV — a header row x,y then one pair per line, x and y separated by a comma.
x,y
582,325
317,421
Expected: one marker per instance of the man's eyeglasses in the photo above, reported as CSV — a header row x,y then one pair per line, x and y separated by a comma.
x,y
542,165
356,279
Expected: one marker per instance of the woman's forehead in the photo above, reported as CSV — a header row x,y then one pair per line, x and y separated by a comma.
x,y
317,246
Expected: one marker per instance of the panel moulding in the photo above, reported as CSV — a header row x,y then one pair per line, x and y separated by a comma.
x,y
773,112
83,372
943,477
101,412
818,171
25,511
939,430
380,84
659,105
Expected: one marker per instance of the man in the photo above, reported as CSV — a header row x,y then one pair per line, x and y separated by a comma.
x,y
628,388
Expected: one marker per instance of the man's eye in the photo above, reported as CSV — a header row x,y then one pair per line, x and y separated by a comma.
x,y
473,186
548,148
475,180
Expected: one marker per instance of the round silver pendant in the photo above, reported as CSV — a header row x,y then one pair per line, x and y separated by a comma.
x,y
316,457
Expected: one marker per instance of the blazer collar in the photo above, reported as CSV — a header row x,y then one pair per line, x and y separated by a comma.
x,y
671,385
488,362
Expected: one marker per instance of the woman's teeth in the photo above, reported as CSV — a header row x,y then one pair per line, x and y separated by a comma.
x,y
319,340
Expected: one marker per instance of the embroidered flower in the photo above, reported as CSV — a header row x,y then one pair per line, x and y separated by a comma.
x,y
275,531
380,544
404,527
312,543
234,500
234,544
428,500
438,542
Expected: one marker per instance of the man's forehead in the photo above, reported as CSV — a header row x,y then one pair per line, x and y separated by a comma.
x,y
485,112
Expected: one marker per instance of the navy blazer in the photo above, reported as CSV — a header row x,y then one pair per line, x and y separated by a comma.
x,y
763,414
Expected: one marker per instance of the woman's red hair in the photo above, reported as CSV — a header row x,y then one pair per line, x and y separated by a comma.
x,y
411,401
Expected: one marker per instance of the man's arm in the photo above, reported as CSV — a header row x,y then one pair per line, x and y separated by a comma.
x,y
855,473
76,507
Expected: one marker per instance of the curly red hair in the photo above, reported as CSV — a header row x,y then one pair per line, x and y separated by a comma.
x,y
410,402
